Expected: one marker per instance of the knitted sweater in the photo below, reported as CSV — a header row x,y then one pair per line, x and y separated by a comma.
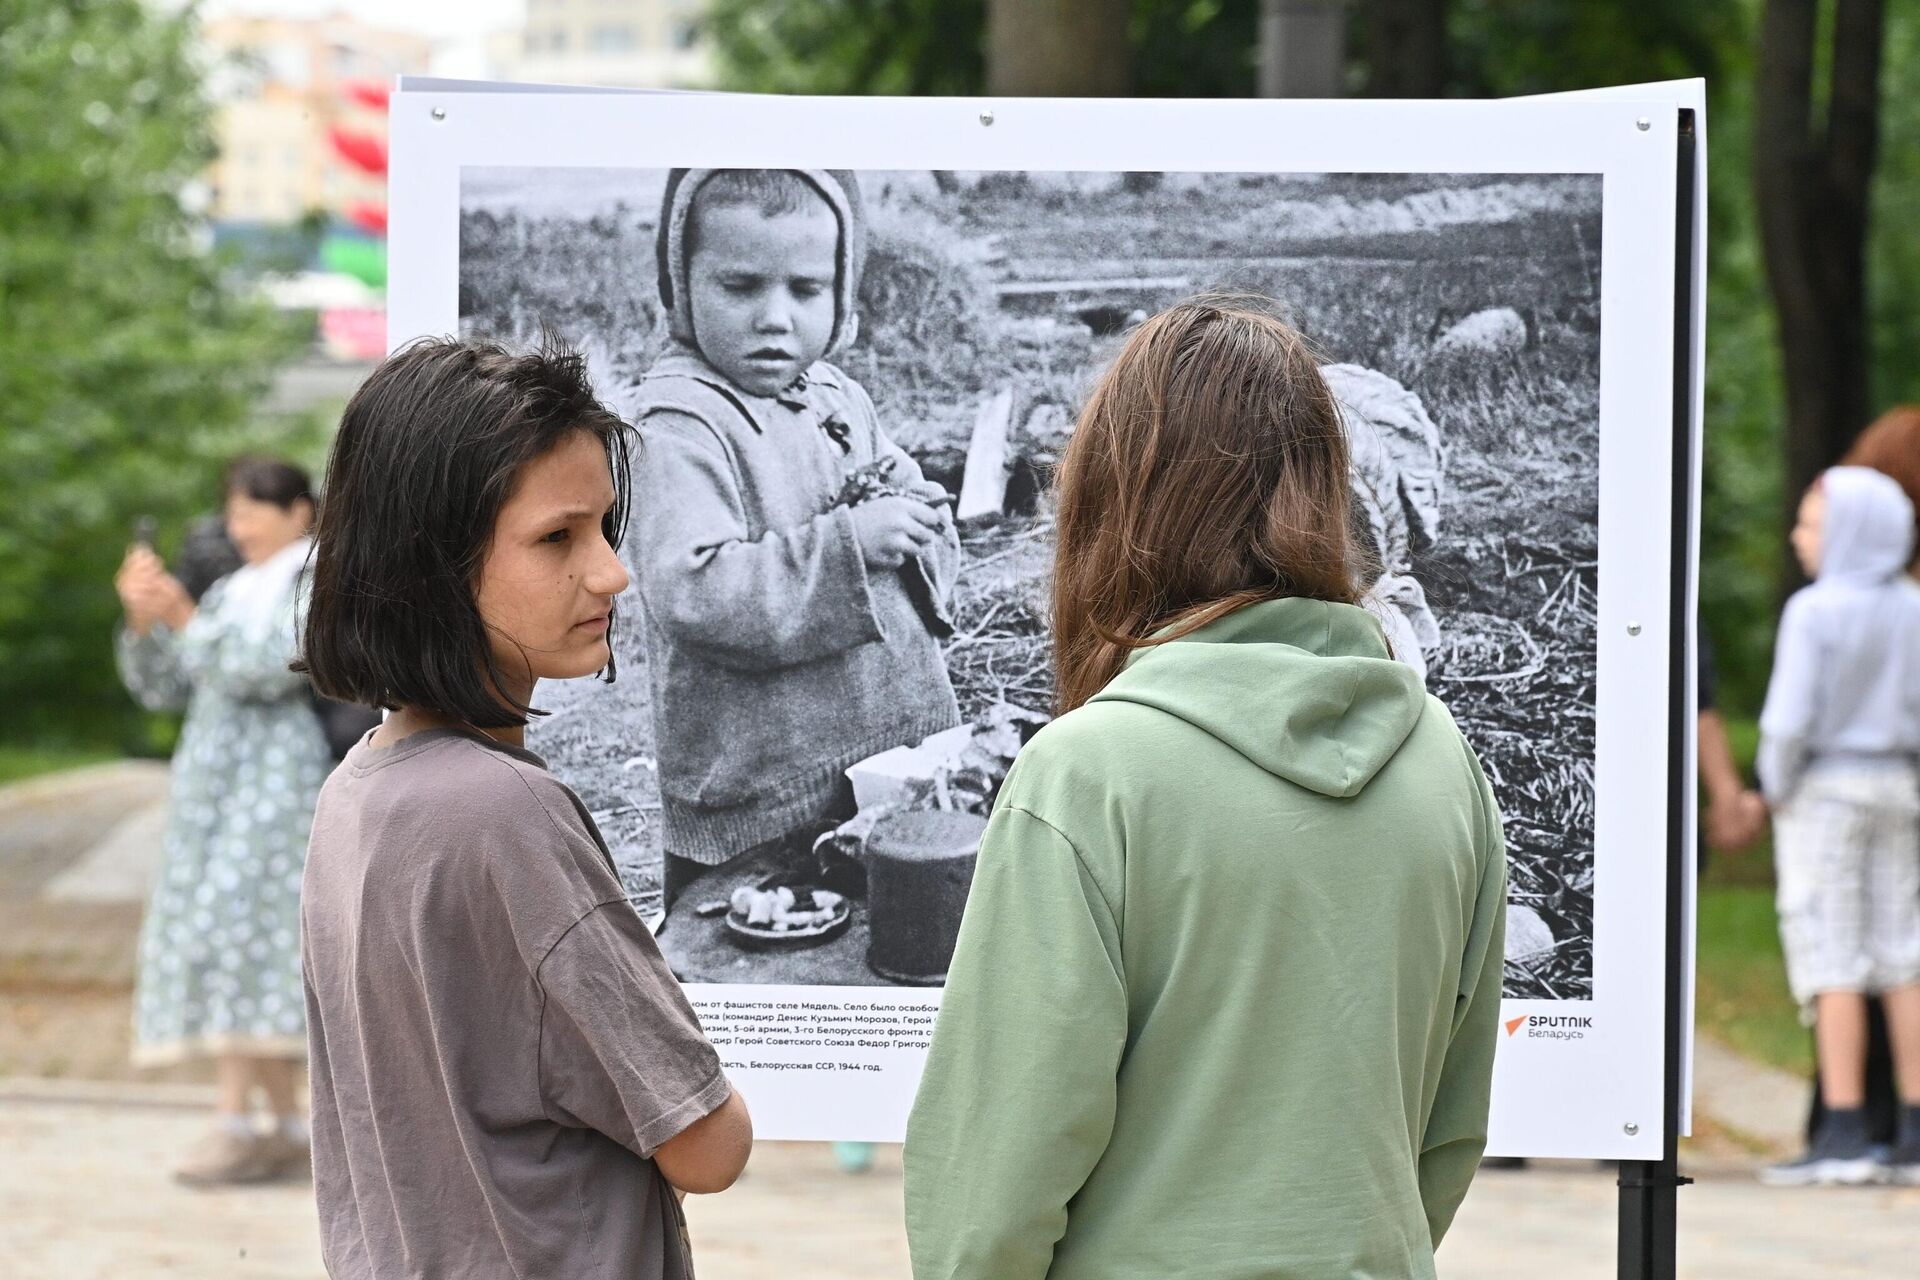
x,y
776,658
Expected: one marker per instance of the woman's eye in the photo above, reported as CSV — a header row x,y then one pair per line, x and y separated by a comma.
x,y
807,288
558,535
738,288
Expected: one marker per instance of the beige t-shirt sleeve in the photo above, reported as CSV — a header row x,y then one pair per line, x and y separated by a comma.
x,y
621,1050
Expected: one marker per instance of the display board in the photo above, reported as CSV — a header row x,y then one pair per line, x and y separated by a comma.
x,y
1493,286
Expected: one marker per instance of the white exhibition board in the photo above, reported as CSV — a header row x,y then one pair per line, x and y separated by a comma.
x,y
1575,1077
1686,95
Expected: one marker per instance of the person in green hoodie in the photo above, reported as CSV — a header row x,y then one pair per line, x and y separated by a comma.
x,y
1225,995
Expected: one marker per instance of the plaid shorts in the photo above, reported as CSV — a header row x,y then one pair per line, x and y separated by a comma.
x,y
1847,857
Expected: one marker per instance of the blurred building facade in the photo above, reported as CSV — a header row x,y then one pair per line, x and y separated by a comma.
x,y
281,85
626,44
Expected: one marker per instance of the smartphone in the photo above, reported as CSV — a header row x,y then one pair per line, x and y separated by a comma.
x,y
144,529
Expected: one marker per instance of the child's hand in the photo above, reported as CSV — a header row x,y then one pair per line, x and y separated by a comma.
x,y
894,530
931,493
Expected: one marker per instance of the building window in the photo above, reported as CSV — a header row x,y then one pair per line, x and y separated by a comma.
x,y
685,33
288,64
612,38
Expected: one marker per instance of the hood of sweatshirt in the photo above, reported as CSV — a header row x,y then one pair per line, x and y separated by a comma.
x,y
1868,535
838,187
1302,688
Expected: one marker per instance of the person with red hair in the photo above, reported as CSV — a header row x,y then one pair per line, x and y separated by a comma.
x,y
1891,446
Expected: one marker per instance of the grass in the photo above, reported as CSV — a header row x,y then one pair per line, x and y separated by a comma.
x,y
1742,999
19,763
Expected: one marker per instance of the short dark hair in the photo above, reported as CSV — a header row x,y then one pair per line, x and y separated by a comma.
x,y
269,480
428,452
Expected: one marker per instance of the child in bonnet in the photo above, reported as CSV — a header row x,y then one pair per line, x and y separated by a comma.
x,y
794,564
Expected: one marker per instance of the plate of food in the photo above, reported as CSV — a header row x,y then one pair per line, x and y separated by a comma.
x,y
786,915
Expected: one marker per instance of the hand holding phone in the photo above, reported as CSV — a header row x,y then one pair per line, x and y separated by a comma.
x,y
148,594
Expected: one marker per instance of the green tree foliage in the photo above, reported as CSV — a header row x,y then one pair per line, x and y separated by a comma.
x,y
128,366
1741,540
1502,48
1894,255
1183,48
898,47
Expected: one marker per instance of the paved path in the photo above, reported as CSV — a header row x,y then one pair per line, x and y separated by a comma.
x,y
49,824
77,853
86,1198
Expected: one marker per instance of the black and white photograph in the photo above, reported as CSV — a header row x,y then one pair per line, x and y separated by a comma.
x,y
819,690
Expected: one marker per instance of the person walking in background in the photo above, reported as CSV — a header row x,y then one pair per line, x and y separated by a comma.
x,y
1249,826
1840,735
507,1080
1890,445
219,957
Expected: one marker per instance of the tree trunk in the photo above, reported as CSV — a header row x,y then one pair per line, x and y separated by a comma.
x,y
1303,48
1058,48
1406,47
1812,180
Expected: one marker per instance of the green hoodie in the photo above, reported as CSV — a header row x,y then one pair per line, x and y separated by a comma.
x,y
1225,996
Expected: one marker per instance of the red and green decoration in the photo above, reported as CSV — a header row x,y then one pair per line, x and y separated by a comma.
x,y
361,250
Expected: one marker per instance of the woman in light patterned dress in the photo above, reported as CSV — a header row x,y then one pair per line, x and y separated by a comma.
x,y
219,971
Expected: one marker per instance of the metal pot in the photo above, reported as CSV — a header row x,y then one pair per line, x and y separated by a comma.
x,y
919,868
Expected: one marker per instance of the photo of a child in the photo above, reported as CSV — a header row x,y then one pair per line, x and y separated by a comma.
x,y
847,392
789,632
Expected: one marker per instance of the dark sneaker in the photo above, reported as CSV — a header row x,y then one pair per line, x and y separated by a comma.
x,y
1902,1166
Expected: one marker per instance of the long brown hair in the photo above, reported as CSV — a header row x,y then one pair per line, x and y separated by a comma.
x,y
1208,471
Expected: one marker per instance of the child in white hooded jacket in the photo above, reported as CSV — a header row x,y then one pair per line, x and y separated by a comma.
x,y
1840,737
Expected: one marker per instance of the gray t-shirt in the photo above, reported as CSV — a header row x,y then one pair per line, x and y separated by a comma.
x,y
497,1046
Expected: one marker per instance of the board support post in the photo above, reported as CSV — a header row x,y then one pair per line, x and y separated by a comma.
x,y
1649,1189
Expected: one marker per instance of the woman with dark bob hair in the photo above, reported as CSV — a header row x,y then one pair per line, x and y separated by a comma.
x,y
219,968
507,1080
1225,993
